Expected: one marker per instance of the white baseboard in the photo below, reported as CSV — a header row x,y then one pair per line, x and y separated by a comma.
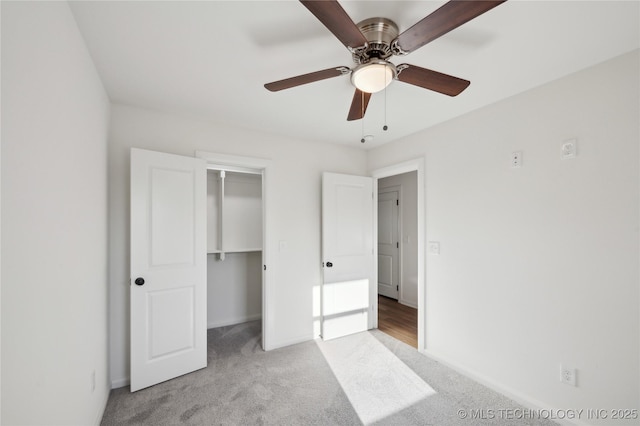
x,y
407,303
233,321
119,383
525,400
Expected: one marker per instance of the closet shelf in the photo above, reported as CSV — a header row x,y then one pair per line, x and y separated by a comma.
x,y
241,250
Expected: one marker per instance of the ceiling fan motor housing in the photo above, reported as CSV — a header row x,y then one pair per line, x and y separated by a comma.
x,y
379,32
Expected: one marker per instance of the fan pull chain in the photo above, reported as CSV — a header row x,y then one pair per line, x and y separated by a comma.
x,y
362,114
385,127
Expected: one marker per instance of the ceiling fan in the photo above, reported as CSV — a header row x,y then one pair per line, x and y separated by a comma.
x,y
372,41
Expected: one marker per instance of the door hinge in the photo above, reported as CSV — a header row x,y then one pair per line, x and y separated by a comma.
x,y
397,202
397,288
397,245
264,267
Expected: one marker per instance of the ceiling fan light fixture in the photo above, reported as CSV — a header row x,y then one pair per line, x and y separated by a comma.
x,y
373,76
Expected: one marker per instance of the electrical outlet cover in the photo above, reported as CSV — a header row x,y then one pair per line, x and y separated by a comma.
x,y
568,375
569,149
434,247
516,159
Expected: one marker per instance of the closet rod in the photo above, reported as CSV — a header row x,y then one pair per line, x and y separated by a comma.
x,y
236,169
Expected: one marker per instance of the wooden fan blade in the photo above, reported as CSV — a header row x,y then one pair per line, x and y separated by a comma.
x,y
358,105
288,83
448,17
333,16
432,80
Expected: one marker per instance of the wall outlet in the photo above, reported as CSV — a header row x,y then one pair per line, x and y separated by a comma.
x,y
569,149
434,247
516,159
568,375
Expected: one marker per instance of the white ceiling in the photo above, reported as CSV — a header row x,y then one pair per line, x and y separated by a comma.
x,y
210,59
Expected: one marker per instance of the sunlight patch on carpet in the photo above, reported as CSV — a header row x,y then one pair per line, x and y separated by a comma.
x,y
376,382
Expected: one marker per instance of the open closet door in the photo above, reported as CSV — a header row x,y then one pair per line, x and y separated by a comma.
x,y
168,267
347,250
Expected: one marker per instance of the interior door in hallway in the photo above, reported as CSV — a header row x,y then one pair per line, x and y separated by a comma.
x,y
168,267
388,244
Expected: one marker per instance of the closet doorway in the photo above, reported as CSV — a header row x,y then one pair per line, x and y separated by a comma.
x,y
234,246
237,261
169,257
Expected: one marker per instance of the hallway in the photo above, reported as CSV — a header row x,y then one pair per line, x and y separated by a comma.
x,y
397,320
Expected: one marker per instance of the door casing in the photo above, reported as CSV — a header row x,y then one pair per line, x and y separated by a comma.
x,y
416,165
262,165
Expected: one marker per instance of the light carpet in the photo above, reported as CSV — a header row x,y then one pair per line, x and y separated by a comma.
x,y
376,382
312,383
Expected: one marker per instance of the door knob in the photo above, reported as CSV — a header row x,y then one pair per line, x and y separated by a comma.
x,y
139,281
329,264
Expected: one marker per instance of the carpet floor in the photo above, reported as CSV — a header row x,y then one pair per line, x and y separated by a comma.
x,y
314,383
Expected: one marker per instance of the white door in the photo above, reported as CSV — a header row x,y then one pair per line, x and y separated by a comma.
x,y
388,244
168,267
347,250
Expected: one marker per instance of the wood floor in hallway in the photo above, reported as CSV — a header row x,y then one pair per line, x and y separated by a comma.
x,y
398,320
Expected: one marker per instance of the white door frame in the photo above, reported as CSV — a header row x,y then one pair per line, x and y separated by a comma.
x,y
264,166
416,165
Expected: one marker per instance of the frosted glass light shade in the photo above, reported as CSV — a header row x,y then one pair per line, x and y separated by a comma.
x,y
372,77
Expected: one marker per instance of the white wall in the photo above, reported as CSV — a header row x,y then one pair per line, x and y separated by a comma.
x,y
409,238
234,288
241,221
54,220
295,177
538,265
